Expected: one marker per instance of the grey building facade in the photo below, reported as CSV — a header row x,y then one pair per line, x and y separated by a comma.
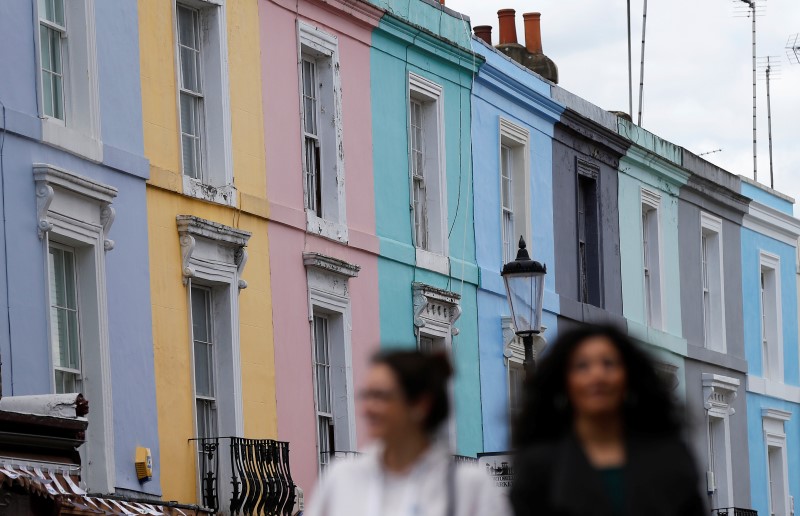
x,y
710,214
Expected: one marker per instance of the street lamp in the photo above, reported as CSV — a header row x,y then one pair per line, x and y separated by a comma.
x,y
524,279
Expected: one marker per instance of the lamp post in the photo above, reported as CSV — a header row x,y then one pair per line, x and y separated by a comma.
x,y
524,279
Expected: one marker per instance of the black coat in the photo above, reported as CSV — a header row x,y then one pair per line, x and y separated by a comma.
x,y
557,479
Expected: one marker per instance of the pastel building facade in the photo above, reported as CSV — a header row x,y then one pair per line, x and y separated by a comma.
x,y
512,133
207,216
75,283
710,213
769,271
586,159
421,73
315,58
650,179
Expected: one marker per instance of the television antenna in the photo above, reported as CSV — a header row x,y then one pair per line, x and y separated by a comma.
x,y
770,66
752,9
793,49
641,66
710,152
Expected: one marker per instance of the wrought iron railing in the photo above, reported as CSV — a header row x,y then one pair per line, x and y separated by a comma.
x,y
260,480
734,511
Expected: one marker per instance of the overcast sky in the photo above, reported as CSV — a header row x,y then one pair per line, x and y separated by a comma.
x,y
698,71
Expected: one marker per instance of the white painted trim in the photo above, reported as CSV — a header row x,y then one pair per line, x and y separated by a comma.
x,y
76,211
436,310
713,224
328,290
519,139
432,261
773,389
213,254
652,200
772,223
218,161
432,92
315,40
772,261
719,393
776,414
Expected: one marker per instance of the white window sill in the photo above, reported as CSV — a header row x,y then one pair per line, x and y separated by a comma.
x,y
433,261
326,228
218,194
773,388
55,133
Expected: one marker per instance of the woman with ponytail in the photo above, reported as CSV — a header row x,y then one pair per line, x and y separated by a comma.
x,y
408,471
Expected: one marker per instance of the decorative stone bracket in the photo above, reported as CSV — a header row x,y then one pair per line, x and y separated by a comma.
x,y
437,306
212,247
719,392
72,193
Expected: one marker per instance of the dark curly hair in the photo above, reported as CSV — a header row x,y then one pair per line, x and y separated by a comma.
x,y
420,375
546,415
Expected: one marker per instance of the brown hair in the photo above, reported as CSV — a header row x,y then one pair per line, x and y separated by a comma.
x,y
420,375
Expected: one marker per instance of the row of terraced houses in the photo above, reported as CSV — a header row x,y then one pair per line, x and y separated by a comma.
x,y
215,211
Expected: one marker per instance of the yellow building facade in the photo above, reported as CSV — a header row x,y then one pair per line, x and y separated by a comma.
x,y
224,223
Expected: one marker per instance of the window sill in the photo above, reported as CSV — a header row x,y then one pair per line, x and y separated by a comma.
x,y
217,194
326,228
58,135
773,389
433,261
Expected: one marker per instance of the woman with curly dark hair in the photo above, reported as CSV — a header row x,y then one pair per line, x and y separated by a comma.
x,y
600,434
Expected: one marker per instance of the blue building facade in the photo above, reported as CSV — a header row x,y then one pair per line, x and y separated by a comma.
x,y
75,280
513,117
769,284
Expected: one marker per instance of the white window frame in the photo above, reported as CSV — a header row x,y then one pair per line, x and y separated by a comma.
x,y
514,358
517,140
79,131
328,295
211,329
773,421
713,282
323,48
431,96
652,280
719,393
216,183
78,372
76,211
771,331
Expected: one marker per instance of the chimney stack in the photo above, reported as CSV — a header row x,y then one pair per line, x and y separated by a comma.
x,y
533,32
508,26
484,32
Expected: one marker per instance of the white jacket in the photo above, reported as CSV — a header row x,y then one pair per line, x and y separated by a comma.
x,y
359,487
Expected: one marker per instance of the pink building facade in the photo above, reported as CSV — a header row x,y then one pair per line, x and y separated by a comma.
x,y
323,250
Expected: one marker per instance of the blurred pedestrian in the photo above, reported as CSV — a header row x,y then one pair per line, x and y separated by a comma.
x,y
409,471
599,434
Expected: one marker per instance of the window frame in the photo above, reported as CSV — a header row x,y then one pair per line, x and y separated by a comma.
x,y
772,354
773,424
431,95
54,244
713,282
79,130
652,281
77,212
590,290
212,365
196,95
314,44
517,140
217,184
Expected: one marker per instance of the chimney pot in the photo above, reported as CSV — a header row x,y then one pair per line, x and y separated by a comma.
x,y
441,2
508,26
533,32
484,32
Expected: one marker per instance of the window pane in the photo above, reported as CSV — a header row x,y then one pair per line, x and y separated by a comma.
x,y
200,314
45,47
58,97
309,97
189,72
186,26
59,327
206,418
67,382
203,369
74,360
55,51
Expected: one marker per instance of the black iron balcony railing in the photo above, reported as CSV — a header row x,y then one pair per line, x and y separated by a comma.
x,y
734,511
256,471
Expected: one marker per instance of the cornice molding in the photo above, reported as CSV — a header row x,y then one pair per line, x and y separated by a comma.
x,y
776,414
586,128
330,265
191,228
772,223
435,304
430,43
519,93
719,392
666,169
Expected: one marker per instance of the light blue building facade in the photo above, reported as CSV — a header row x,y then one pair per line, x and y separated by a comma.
x,y
769,284
513,117
75,278
421,72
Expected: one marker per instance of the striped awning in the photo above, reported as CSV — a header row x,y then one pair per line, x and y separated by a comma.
x,y
70,499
